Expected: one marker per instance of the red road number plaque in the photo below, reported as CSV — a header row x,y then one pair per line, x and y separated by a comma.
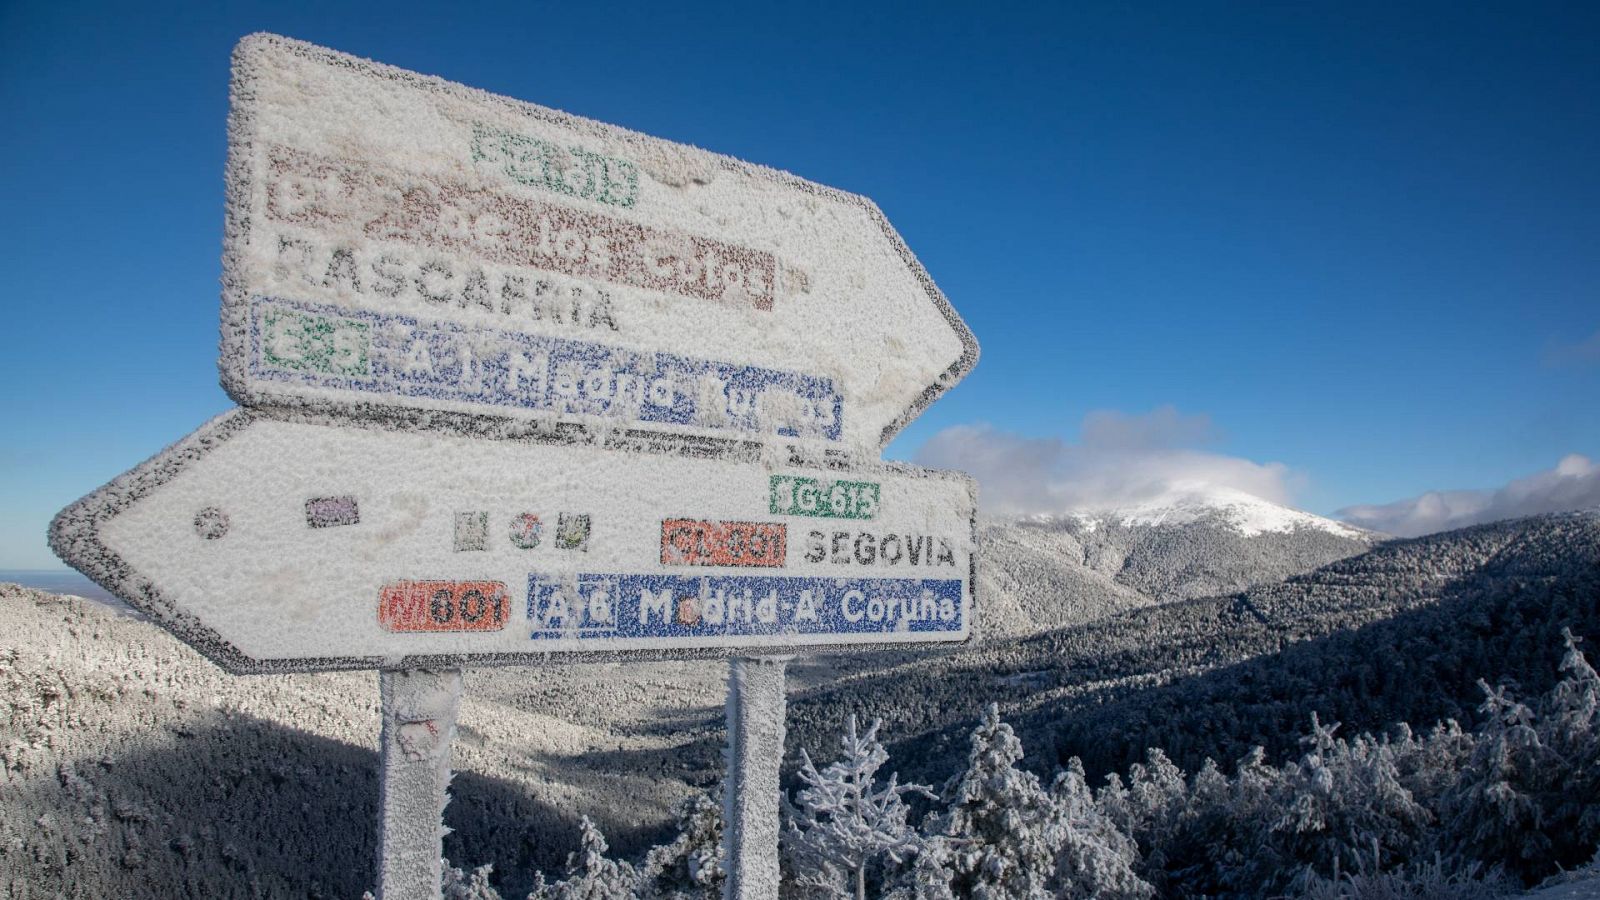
x,y
690,542
443,606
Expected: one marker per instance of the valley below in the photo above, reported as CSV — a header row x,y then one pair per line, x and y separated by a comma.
x,y
135,767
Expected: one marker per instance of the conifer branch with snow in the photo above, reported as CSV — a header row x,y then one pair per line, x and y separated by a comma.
x,y
842,820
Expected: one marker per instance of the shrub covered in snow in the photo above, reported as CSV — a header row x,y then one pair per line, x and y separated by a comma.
x,y
591,875
690,865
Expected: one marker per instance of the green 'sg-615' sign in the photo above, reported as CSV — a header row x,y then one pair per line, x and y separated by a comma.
x,y
800,496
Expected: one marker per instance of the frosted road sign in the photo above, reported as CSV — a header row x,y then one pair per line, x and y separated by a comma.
x,y
519,384
521,387
274,544
401,246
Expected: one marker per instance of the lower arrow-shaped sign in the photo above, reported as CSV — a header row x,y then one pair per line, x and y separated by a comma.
x,y
276,545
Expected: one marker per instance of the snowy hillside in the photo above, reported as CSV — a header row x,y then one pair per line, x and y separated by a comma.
x,y
1401,632
133,767
1045,572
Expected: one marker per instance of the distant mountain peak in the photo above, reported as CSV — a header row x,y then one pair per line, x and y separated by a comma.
x,y
1187,504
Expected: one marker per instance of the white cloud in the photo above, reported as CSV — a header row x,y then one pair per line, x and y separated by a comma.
x,y
1573,484
1120,460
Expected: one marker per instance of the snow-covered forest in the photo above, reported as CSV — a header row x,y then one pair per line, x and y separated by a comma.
x,y
1398,634
134,767
1441,812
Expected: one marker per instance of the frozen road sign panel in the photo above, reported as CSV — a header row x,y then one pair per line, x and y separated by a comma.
x,y
401,246
521,386
275,544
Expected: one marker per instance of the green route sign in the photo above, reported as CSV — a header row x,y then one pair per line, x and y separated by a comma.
x,y
794,495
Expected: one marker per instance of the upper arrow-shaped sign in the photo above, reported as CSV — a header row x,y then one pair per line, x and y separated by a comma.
x,y
401,245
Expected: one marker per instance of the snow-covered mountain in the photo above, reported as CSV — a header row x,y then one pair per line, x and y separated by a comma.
x,y
1044,572
1222,507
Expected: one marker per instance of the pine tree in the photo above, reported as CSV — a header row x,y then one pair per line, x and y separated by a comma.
x,y
1342,800
590,874
1570,727
690,866
1494,810
1153,809
996,821
1242,857
458,885
1430,766
843,821
928,876
1094,858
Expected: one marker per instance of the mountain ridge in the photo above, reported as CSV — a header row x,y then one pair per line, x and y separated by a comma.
x,y
1244,512
1042,572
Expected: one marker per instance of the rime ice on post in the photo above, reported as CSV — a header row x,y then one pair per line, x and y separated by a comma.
x,y
755,754
521,386
419,723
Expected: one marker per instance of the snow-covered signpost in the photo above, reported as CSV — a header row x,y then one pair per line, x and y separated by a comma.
x,y
524,388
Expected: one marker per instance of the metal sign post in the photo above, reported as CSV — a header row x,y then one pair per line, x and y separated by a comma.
x,y
756,712
522,388
419,725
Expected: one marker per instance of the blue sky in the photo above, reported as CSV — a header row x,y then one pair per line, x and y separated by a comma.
x,y
1353,240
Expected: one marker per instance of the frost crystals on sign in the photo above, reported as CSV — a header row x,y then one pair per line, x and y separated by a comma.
x,y
425,606
211,523
394,356
525,531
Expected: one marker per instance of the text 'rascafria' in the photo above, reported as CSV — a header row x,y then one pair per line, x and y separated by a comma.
x,y
337,196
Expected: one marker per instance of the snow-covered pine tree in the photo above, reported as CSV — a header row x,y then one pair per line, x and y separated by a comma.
x,y
927,877
1232,827
1152,808
1114,800
1494,810
804,875
590,874
1094,858
997,819
1343,802
689,867
459,885
1430,765
843,820
1570,724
